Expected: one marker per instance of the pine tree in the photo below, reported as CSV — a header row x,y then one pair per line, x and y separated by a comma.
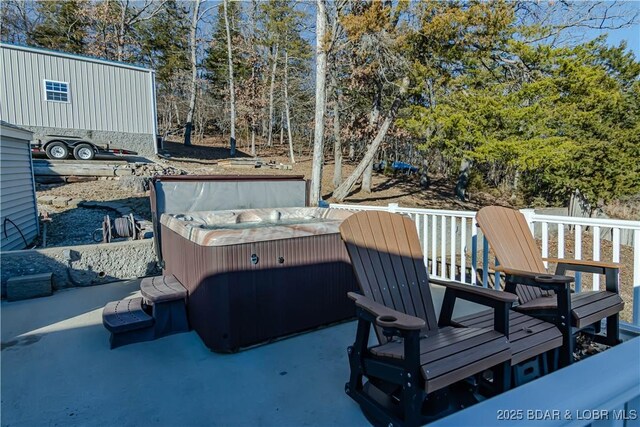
x,y
63,26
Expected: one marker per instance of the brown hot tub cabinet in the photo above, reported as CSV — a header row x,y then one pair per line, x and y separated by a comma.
x,y
257,274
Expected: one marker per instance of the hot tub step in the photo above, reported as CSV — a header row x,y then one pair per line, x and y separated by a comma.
x,y
162,288
127,322
166,296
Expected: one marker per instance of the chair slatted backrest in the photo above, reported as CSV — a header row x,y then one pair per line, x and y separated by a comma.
x,y
388,263
512,243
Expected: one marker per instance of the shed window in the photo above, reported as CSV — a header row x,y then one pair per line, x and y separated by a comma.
x,y
56,91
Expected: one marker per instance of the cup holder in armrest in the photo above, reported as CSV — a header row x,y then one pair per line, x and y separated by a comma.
x,y
386,320
550,278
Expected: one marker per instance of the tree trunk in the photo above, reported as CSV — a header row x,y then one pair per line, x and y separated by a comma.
x,y
352,151
253,79
271,87
232,93
424,174
177,111
321,80
253,136
286,105
342,191
281,127
121,31
367,175
194,73
337,142
373,124
463,179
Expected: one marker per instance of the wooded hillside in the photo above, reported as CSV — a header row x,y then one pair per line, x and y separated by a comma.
x,y
511,96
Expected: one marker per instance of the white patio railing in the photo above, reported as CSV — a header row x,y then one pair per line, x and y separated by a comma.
x,y
455,249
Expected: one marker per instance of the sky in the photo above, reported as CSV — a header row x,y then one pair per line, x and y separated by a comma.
x,y
631,35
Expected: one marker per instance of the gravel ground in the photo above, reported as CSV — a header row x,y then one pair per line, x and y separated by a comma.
x,y
73,226
100,191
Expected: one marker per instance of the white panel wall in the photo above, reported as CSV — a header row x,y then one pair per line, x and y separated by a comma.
x,y
103,96
18,209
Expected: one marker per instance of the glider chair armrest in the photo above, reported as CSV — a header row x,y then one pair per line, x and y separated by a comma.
x,y
500,301
484,296
555,282
611,270
574,264
393,323
386,317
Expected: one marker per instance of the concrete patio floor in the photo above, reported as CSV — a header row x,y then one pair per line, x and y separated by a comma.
x,y
57,369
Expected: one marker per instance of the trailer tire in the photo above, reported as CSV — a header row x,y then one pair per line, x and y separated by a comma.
x,y
57,150
84,152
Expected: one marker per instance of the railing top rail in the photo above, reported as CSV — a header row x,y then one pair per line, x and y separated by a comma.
x,y
589,222
465,214
551,219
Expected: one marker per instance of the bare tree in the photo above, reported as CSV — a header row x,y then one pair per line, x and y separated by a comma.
x,y
286,105
232,96
321,80
254,66
373,124
342,191
271,88
334,45
194,71
19,18
131,16
337,141
564,21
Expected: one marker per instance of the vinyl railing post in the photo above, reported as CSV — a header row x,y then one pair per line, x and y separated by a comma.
x,y
463,250
474,252
452,254
545,242
596,256
443,247
636,277
434,252
425,240
485,262
577,254
560,241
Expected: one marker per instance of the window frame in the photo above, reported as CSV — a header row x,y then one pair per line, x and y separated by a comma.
x,y
67,93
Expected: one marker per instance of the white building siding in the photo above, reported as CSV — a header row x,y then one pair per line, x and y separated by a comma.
x,y
18,208
103,96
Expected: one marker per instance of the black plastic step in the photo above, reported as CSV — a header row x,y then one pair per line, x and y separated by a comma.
x,y
162,289
125,315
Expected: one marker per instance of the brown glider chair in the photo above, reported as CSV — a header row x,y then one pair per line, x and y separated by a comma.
x,y
549,296
417,362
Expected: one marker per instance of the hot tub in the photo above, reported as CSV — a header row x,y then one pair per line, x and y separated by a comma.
x,y
258,274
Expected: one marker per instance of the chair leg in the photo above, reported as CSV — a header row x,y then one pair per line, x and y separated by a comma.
x,y
544,364
502,381
555,356
412,397
412,392
356,355
613,330
564,324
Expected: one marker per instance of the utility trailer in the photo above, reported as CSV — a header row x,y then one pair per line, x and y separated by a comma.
x,y
59,147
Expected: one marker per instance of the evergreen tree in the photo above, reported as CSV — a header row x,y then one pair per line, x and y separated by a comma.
x,y
164,44
215,62
63,25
